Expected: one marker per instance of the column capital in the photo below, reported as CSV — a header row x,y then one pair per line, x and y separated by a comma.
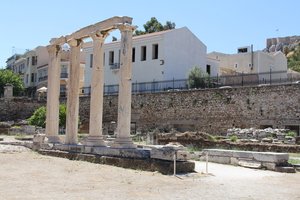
x,y
75,42
53,49
125,27
99,35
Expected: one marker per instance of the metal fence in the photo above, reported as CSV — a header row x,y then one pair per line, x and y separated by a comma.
x,y
267,78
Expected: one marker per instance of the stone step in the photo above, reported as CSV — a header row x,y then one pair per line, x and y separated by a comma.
x,y
250,164
285,169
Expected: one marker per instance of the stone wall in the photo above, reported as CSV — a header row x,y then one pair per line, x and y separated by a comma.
x,y
213,111
17,108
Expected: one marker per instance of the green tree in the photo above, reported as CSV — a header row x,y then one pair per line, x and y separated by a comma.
x,y
169,25
153,25
196,78
39,116
8,77
293,59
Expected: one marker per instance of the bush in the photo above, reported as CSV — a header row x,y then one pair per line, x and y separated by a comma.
x,y
291,134
39,116
233,138
196,78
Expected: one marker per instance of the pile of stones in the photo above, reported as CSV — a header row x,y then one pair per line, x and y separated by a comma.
x,y
267,135
20,127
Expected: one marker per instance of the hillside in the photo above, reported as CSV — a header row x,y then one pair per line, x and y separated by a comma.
x,y
290,46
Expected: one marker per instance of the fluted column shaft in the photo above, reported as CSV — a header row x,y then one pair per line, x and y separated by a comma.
x,y
95,137
73,93
52,115
123,139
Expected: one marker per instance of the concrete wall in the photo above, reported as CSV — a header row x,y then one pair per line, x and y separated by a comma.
x,y
178,51
183,50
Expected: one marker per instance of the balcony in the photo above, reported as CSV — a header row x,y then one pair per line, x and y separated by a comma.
x,y
43,78
63,75
114,66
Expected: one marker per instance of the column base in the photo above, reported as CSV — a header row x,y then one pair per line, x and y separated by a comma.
x,y
94,141
123,143
53,139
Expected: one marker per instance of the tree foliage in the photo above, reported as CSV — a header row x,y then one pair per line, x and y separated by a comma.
x,y
8,77
196,78
153,25
293,58
39,116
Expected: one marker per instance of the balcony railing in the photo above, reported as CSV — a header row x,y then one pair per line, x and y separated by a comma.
x,y
63,75
43,78
115,66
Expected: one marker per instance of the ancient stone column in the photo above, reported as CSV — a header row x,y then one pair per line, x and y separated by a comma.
x,y
73,93
95,137
123,139
52,116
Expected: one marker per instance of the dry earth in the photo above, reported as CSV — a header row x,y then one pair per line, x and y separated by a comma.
x,y
27,175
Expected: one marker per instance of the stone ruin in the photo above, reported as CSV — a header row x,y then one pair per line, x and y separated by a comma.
x,y
268,135
122,151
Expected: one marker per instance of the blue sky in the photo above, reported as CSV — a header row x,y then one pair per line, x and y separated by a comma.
x,y
223,25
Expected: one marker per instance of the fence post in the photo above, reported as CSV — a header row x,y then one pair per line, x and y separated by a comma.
x,y
242,78
270,75
104,89
173,84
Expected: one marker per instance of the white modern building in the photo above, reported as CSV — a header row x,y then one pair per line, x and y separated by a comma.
x,y
159,56
246,61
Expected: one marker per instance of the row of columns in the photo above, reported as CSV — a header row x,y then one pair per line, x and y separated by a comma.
x,y
95,137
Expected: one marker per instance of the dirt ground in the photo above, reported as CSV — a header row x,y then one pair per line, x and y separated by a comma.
x,y
27,175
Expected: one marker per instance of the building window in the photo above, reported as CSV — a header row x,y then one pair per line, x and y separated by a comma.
x,y
235,65
111,58
133,54
208,69
119,55
34,60
155,51
28,59
143,53
32,77
103,59
91,60
242,50
27,77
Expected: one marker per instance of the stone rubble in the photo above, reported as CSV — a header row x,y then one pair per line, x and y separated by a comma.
x,y
267,135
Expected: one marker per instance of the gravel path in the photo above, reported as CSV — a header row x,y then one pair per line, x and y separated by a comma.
x,y
27,175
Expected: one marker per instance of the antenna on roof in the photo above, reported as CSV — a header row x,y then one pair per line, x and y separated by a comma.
x,y
13,50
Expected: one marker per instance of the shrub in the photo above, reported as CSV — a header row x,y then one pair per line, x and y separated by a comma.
x,y
291,134
39,116
196,78
233,138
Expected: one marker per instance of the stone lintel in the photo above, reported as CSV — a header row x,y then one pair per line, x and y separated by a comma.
x,y
106,25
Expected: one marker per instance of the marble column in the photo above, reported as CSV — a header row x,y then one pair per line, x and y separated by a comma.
x,y
95,137
52,115
123,139
73,93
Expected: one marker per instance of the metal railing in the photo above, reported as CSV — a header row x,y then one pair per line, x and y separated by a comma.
x,y
267,78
